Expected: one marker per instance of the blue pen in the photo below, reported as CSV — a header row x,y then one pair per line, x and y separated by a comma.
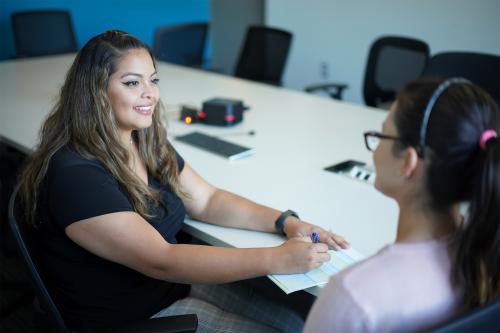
x,y
315,237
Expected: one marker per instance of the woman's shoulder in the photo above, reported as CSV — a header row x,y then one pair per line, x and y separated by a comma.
x,y
67,163
396,269
393,281
67,157
400,262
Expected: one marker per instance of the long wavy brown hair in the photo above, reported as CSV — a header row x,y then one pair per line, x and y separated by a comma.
x,y
83,119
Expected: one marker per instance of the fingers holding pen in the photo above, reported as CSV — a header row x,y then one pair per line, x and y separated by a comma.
x,y
316,234
299,255
315,245
321,254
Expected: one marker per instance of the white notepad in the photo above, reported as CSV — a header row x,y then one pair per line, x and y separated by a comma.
x,y
319,276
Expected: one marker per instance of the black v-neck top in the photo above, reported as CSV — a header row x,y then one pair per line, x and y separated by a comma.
x,y
90,291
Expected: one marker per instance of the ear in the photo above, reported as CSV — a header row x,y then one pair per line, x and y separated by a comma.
x,y
410,163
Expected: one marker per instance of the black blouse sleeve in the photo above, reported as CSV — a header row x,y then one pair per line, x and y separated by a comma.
x,y
79,189
83,190
180,161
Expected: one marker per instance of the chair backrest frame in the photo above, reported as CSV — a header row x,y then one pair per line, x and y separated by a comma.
x,y
247,67
373,93
20,233
483,319
193,50
480,68
25,48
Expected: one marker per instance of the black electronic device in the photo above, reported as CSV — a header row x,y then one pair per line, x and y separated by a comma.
x,y
222,112
189,115
215,145
344,166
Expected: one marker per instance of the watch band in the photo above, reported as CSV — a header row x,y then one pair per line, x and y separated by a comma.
x,y
280,222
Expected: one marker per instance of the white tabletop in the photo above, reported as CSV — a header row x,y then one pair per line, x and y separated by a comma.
x,y
297,135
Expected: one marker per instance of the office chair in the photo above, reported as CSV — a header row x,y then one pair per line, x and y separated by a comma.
x,y
44,32
181,44
481,69
263,55
392,62
484,319
15,283
26,243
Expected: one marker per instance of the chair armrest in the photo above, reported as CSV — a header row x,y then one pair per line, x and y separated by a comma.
x,y
335,90
172,324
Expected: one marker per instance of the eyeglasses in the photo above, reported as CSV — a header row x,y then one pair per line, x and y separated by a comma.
x,y
372,139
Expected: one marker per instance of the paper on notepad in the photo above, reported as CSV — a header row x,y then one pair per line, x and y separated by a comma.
x,y
319,276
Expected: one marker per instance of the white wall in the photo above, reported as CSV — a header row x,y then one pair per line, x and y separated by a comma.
x,y
340,32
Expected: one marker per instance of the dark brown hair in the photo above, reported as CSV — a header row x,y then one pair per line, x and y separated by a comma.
x,y
83,119
458,170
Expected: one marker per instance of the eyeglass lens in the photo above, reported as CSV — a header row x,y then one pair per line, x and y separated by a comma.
x,y
372,142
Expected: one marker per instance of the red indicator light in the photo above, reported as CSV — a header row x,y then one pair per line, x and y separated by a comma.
x,y
230,117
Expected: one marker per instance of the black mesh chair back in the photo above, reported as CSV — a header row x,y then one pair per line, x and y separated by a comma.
x,y
263,55
484,319
39,33
392,62
181,44
26,242
481,69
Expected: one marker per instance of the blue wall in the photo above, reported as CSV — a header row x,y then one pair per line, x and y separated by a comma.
x,y
91,17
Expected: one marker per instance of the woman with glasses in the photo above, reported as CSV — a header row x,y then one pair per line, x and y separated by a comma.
x,y
438,156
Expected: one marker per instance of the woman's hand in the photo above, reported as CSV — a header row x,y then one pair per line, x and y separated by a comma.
x,y
299,255
297,228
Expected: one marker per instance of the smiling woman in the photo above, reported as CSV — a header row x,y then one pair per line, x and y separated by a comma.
x,y
108,194
133,92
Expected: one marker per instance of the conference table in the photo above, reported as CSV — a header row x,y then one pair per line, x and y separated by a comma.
x,y
296,135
